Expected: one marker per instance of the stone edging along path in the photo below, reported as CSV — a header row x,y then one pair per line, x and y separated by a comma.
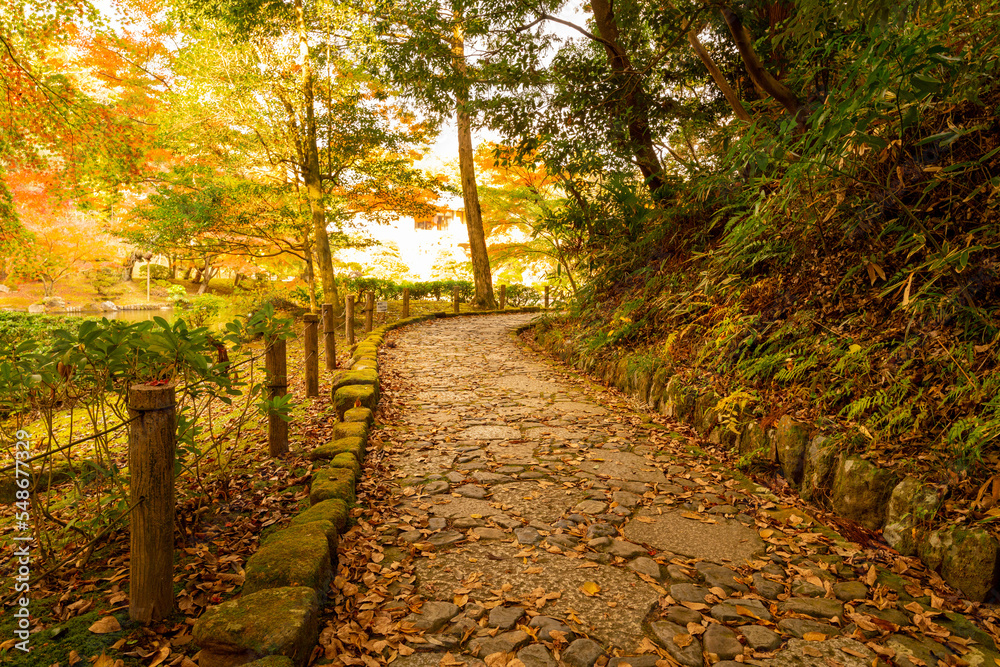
x,y
275,622
812,462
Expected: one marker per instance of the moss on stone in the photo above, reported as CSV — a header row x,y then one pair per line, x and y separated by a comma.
x,y
345,398
352,375
861,491
298,556
275,621
365,349
967,559
272,661
347,460
790,440
365,363
359,415
353,446
327,485
355,377
333,510
325,525
351,429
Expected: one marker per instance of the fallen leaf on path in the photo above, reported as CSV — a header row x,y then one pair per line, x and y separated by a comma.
x,y
590,588
105,625
161,655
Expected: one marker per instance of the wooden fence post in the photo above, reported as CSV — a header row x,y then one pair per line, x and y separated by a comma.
x,y
349,318
369,310
275,362
329,336
454,297
503,297
311,340
406,302
151,442
546,297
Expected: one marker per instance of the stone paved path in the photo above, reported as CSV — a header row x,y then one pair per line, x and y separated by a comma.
x,y
549,522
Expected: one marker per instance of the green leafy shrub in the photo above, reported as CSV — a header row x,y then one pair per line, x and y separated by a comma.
x,y
106,282
205,308
159,272
178,295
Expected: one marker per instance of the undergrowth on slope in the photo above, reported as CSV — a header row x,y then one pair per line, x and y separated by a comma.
x,y
846,269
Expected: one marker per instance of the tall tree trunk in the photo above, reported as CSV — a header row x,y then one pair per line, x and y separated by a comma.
x,y
310,169
473,214
758,73
718,77
307,250
634,103
206,275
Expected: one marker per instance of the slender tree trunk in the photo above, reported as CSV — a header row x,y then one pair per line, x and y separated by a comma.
x,y
307,250
310,169
718,77
758,73
633,101
206,275
473,214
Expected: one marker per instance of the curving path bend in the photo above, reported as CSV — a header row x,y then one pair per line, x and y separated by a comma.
x,y
551,523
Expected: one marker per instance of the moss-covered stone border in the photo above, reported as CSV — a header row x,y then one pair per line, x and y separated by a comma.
x,y
274,622
813,458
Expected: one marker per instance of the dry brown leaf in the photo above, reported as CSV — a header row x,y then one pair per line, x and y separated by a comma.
x,y
814,637
73,657
405,650
104,661
160,656
105,625
683,640
695,629
590,588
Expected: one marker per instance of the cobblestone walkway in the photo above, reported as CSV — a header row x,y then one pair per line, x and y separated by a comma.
x,y
552,523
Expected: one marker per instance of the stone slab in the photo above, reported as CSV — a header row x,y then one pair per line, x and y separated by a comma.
x,y
619,626
725,541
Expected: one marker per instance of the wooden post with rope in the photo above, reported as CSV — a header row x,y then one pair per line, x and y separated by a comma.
x,y
406,302
503,297
329,336
349,318
454,297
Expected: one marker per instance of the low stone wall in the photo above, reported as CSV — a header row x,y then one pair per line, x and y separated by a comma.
x,y
275,622
812,458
